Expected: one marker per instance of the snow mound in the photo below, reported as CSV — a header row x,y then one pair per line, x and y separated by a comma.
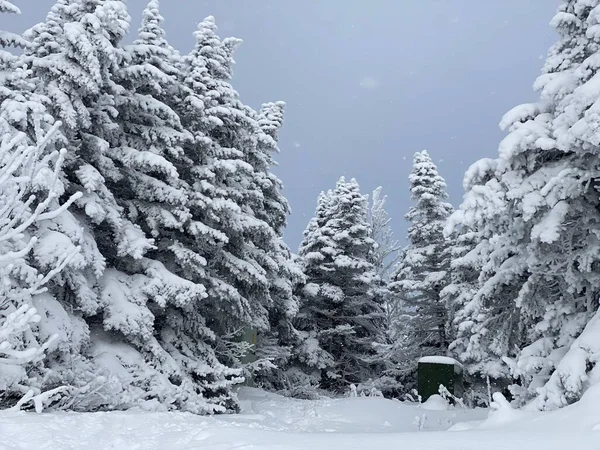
x,y
435,403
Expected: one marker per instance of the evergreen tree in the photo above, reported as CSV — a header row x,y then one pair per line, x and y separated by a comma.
x,y
234,243
72,55
341,312
386,252
125,139
423,270
29,189
276,345
149,150
24,112
471,228
559,201
539,289
385,257
150,143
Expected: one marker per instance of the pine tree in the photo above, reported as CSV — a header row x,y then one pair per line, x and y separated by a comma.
x,y
423,270
24,112
386,252
149,150
72,55
385,257
125,139
539,287
276,344
341,312
560,297
471,228
308,359
150,144
225,198
29,192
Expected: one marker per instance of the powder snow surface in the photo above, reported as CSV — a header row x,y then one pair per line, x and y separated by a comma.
x,y
272,422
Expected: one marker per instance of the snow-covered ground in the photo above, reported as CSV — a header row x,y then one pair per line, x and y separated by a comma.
x,y
272,422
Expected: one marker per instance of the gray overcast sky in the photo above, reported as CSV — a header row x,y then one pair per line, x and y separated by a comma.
x,y
369,82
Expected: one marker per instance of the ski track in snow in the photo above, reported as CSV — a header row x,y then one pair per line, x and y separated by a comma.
x,y
272,422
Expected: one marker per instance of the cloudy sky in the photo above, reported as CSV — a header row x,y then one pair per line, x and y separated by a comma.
x,y
370,82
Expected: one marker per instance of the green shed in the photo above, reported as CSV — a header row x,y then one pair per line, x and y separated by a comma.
x,y
436,370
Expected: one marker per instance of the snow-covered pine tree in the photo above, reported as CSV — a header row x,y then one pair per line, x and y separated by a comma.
x,y
24,112
226,198
29,191
341,312
464,274
77,62
423,270
275,345
473,228
72,56
540,287
149,145
548,162
386,254
308,359
147,151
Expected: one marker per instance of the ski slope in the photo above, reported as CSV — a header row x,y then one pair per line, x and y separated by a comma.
x,y
272,422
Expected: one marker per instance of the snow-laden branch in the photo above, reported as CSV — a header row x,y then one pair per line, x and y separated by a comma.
x,y
26,171
387,251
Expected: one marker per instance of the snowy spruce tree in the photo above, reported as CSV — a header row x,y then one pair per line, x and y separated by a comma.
x,y
149,146
473,228
308,359
341,311
423,269
560,297
233,196
149,151
275,345
218,180
125,142
385,257
387,247
29,192
24,113
72,56
539,290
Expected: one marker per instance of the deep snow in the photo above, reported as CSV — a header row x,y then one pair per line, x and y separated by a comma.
x,y
269,421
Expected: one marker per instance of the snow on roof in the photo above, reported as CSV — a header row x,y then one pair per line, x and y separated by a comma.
x,y
440,360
